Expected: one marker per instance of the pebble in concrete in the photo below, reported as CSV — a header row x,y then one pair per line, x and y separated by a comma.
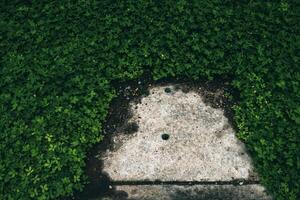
x,y
179,138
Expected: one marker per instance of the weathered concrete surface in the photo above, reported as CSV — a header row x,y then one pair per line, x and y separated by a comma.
x,y
195,192
202,145
198,145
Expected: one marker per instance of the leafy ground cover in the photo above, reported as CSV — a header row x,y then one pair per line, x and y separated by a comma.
x,y
58,61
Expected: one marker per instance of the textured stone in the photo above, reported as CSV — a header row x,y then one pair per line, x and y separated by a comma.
x,y
195,192
202,145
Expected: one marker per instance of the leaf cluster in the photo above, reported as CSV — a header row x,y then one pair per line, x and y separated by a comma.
x,y
58,61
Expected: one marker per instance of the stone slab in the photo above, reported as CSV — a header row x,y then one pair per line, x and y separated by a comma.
x,y
195,192
202,145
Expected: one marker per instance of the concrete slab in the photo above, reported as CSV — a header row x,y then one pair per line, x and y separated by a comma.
x,y
179,138
195,192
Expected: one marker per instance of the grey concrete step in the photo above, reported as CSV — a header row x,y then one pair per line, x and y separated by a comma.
x,y
179,137
195,192
200,146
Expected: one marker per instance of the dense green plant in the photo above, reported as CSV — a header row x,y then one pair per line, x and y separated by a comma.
x,y
58,60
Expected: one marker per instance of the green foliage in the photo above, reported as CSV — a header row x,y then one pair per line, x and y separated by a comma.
x,y
58,60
